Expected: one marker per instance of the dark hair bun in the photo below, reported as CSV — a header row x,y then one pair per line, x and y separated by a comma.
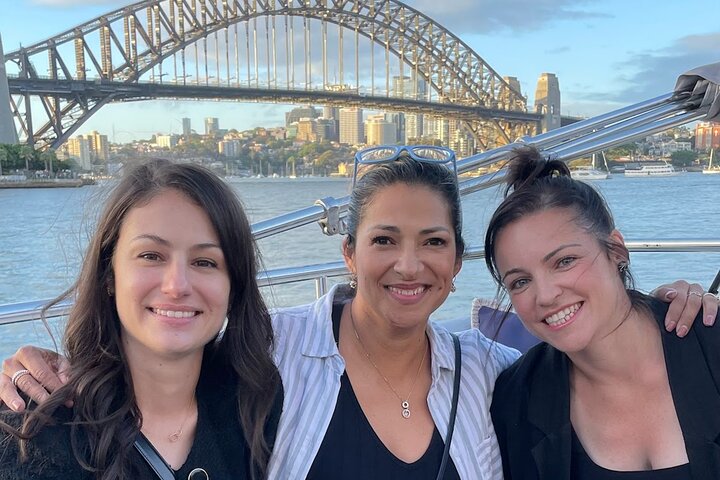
x,y
527,166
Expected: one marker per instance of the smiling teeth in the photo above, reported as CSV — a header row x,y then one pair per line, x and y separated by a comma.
x,y
402,291
173,313
563,316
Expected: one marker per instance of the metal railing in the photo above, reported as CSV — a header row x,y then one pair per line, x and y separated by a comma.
x,y
321,273
695,101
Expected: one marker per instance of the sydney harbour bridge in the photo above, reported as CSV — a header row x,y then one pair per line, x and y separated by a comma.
x,y
377,54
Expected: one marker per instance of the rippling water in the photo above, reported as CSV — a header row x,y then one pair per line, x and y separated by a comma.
x,y
43,233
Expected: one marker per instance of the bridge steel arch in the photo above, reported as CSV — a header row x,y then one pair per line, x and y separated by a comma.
x,y
123,48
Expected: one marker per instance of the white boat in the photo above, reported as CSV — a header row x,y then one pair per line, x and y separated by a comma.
x,y
711,169
588,173
652,170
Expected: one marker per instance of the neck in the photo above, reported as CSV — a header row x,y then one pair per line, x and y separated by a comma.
x,y
394,350
164,387
625,355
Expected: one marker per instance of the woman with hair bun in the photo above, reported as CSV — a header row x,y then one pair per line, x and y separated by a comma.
x,y
610,394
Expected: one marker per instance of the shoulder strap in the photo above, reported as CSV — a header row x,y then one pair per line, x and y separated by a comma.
x,y
153,458
453,409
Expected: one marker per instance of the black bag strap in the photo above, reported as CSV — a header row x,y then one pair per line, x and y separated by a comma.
x,y
453,409
153,458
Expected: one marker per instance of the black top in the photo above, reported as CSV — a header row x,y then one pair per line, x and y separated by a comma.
x,y
531,405
219,446
582,466
351,450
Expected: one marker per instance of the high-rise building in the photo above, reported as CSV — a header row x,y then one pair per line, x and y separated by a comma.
x,y
79,149
351,126
187,130
380,131
212,126
306,128
547,101
397,119
707,136
99,147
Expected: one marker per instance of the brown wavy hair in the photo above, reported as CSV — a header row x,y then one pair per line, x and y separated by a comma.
x,y
105,417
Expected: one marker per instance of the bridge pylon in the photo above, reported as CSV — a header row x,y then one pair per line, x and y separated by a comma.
x,y
7,124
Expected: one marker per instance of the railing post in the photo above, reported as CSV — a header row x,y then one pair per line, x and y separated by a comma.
x,y
320,286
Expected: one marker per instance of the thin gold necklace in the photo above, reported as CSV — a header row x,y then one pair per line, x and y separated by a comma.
x,y
175,436
405,404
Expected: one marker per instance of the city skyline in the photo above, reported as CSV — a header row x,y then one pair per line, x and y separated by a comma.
x,y
603,54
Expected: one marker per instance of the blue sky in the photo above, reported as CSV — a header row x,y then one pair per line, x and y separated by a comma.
x,y
606,53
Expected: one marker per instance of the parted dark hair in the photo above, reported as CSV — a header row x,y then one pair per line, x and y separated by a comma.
x,y
536,184
106,418
436,177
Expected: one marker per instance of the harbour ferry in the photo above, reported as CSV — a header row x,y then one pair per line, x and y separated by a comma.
x,y
652,170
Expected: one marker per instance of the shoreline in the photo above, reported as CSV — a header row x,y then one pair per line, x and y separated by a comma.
x,y
48,183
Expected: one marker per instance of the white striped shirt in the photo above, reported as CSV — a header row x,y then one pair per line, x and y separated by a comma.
x,y
311,366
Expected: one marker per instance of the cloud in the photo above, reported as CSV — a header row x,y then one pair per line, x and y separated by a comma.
x,y
654,72
472,16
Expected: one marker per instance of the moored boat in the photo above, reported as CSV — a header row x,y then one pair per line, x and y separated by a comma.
x,y
652,170
589,173
711,169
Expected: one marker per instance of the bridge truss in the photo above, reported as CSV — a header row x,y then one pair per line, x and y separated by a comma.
x,y
378,54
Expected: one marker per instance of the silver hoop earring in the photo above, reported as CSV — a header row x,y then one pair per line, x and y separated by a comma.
x,y
221,333
453,288
353,281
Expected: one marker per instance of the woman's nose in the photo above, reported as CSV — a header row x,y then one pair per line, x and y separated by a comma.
x,y
176,282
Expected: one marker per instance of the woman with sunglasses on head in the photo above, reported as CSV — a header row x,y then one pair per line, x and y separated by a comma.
x,y
369,381
611,394
169,345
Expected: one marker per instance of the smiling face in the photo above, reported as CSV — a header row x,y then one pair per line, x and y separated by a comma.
x,y
171,284
404,255
561,281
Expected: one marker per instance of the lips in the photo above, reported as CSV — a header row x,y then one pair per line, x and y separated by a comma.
x,y
563,316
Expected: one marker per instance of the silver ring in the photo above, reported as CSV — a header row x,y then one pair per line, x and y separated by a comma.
x,y
18,375
712,295
692,292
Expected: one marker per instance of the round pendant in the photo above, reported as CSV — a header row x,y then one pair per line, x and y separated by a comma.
x,y
405,404
406,413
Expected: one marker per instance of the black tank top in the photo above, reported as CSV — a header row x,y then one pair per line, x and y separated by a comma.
x,y
583,468
351,450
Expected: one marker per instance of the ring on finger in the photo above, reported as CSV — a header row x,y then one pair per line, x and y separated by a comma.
x,y
712,295
18,375
697,294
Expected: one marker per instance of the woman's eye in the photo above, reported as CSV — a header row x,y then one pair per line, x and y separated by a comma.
x,y
566,261
152,256
519,284
436,242
381,241
205,263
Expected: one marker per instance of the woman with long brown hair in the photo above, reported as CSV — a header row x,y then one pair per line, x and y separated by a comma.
x,y
167,335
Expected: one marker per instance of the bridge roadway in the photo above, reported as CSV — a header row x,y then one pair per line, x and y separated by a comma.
x,y
121,91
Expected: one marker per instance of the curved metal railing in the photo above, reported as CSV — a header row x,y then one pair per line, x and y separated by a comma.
x,y
696,97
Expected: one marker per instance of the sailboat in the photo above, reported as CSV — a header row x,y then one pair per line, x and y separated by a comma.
x,y
590,172
712,169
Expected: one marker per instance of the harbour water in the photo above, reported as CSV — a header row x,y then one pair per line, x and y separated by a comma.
x,y
43,233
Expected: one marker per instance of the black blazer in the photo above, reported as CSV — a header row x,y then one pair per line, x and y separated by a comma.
x,y
531,405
